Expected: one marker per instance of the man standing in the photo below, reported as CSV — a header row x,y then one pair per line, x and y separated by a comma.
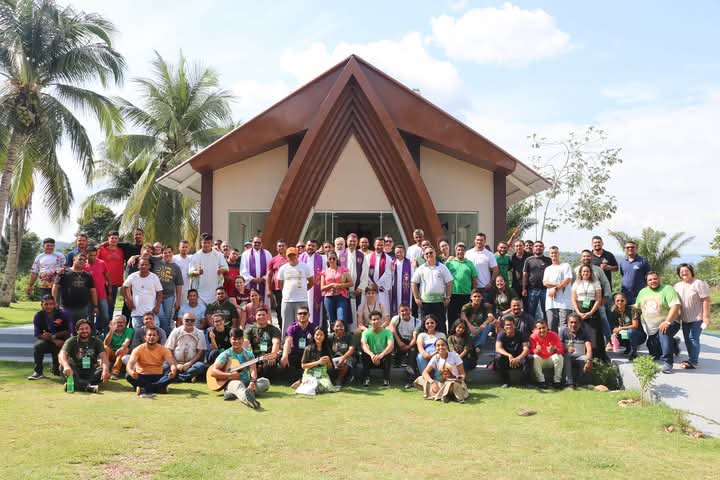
x,y
188,346
547,350
295,279
377,345
603,259
114,258
377,271
355,261
316,261
171,280
233,259
206,269
182,260
79,358
254,268
415,251
142,292
660,306
46,267
389,246
145,368
557,278
464,279
243,384
52,327
76,289
365,246
578,350
532,281
264,339
224,307
517,261
512,348
432,286
272,284
503,261
485,264
634,269
402,276
81,244
298,336
101,278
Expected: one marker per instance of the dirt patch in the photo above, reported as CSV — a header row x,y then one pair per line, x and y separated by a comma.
x,y
628,402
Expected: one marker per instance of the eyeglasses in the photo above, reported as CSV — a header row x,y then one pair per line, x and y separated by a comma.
x,y
302,314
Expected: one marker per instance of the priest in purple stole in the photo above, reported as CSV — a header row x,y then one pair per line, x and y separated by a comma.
x,y
253,267
317,262
402,274
354,259
377,270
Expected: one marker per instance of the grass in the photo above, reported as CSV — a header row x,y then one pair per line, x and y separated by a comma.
x,y
714,310
358,433
18,313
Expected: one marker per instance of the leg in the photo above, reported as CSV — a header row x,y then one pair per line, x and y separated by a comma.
x,y
197,369
667,344
605,323
557,363
562,316
456,303
331,308
102,317
553,318
421,362
136,321
568,371
366,363
343,312
386,364
636,338
502,367
481,339
691,334
533,299
653,345
538,368
167,312
112,298
40,348
278,307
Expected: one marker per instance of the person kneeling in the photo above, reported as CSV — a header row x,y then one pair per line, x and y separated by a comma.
x,y
79,357
242,384
145,367
547,351
512,348
449,381
316,362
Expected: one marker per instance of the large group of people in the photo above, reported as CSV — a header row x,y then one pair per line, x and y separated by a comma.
x,y
342,309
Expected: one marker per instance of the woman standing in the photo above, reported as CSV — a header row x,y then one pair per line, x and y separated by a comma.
x,y
334,282
448,382
586,300
695,314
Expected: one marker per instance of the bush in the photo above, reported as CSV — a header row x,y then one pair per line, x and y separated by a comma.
x,y
646,370
606,374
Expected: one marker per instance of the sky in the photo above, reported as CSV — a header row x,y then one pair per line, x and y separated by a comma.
x,y
646,72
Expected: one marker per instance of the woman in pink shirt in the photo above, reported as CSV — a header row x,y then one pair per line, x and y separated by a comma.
x,y
334,282
247,315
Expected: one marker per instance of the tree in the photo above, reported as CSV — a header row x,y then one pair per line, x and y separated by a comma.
x,y
184,109
31,246
708,268
578,169
650,245
96,221
519,218
47,54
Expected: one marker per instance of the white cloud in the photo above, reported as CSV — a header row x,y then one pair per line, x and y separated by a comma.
x,y
255,96
405,59
508,34
668,177
631,93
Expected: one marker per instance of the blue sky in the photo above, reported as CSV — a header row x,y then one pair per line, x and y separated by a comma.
x,y
646,72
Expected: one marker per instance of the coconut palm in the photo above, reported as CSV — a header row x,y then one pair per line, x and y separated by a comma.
x,y
519,218
650,245
184,109
47,54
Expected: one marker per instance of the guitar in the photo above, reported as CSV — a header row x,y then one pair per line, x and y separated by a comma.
x,y
216,384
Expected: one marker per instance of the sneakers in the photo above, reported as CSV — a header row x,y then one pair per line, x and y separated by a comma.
x,y
92,389
409,386
632,356
147,395
505,385
114,376
556,385
56,371
227,396
366,382
667,368
609,347
386,383
36,376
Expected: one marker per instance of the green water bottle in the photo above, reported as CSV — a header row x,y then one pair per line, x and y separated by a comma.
x,y
70,385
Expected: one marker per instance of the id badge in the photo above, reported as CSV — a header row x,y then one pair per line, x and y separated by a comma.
x,y
85,362
301,343
624,334
263,346
316,373
586,303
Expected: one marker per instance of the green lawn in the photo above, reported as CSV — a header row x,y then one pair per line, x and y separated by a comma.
x,y
18,314
714,310
374,433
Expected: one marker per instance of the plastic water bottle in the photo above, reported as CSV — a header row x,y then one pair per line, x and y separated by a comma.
x,y
615,343
70,385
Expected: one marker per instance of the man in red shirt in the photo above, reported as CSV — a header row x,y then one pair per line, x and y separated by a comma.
x,y
101,278
271,284
233,259
547,351
114,259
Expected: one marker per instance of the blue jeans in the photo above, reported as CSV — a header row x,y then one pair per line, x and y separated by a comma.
x,y
480,340
691,334
661,345
422,362
605,323
149,383
337,308
103,317
535,297
197,369
167,313
636,338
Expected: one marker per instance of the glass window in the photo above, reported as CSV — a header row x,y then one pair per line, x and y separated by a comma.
x,y
459,226
242,226
330,225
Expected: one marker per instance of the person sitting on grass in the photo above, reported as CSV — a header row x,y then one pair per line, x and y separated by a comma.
x,y
426,342
578,350
243,384
444,377
547,351
377,345
512,350
117,343
187,344
459,342
297,337
343,353
52,327
145,368
79,358
316,363
264,340
625,321
218,337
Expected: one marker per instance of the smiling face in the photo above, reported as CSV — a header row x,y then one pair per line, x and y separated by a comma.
x,y
261,317
254,297
239,284
686,275
220,295
585,258
585,272
479,242
500,283
430,325
653,281
516,307
502,248
168,254
519,248
339,329
364,243
319,336
541,328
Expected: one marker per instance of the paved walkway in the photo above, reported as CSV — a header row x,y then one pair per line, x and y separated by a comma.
x,y
696,391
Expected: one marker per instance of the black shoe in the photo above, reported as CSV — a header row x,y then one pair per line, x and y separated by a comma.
x,y
366,382
505,385
386,383
557,385
676,346
36,376
632,356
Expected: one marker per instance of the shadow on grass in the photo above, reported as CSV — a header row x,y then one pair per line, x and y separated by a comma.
x,y
190,392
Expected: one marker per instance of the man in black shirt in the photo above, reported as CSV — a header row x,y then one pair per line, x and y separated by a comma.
x,y
578,350
264,339
517,261
524,323
603,259
52,327
512,348
76,289
533,271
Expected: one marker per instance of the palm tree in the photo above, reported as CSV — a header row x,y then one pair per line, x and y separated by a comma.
x,y
650,245
519,219
47,54
183,110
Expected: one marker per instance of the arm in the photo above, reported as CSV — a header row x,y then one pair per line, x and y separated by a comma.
x,y
588,357
33,277
524,283
94,299
310,282
525,352
158,301
426,373
448,292
108,284
63,360
706,311
286,351
170,359
127,295
575,303
388,348
598,302
105,375
55,290
416,294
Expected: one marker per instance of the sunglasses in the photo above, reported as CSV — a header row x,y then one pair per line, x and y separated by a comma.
x,y
302,314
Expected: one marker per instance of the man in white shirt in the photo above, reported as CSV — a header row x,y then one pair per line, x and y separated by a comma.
x,y
182,260
45,268
415,251
206,269
377,270
558,300
142,292
253,267
295,279
432,287
355,261
188,346
485,264
317,263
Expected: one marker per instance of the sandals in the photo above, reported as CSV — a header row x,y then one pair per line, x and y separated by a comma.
x,y
687,365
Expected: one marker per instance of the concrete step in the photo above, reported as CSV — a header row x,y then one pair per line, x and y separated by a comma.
x,y
17,338
16,349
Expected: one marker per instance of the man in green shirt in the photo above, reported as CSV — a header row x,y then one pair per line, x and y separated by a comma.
x,y
79,358
660,306
117,343
377,345
264,339
503,261
465,277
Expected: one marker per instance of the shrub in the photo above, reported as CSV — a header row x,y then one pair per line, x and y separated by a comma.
x,y
646,370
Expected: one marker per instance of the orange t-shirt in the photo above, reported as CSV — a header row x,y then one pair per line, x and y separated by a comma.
x,y
150,362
